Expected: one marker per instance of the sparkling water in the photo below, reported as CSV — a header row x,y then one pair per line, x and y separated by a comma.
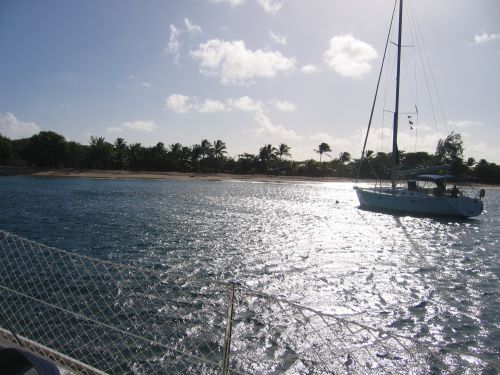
x,y
435,279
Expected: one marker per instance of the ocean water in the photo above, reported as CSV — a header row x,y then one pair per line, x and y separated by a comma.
x,y
435,279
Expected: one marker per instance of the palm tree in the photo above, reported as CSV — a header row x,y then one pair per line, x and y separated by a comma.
x,y
471,162
100,152
267,153
323,147
205,148
196,153
219,149
157,157
344,157
175,155
175,148
135,156
120,153
283,150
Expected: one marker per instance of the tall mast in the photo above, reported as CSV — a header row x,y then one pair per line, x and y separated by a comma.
x,y
395,157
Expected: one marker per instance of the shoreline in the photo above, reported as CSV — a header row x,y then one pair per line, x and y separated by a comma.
x,y
156,175
179,176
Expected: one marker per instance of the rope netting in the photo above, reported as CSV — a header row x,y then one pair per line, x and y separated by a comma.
x,y
88,314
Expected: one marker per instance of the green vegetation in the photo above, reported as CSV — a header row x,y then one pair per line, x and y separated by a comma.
x,y
322,148
48,149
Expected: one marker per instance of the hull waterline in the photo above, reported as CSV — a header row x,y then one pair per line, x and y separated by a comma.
x,y
419,203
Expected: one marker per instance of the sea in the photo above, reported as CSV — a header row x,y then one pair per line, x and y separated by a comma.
x,y
434,279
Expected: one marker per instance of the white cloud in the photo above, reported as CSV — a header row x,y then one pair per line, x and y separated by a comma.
x,y
178,103
233,63
285,106
310,69
246,104
183,104
12,128
381,139
350,57
271,6
278,39
212,106
337,144
267,128
463,124
175,40
145,126
114,129
191,28
233,3
486,38
483,151
146,84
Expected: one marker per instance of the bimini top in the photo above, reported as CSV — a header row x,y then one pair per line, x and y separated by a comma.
x,y
436,177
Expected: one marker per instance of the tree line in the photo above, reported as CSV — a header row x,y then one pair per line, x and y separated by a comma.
x,y
48,149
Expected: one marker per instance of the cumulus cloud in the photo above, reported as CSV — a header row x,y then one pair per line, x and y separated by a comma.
x,y
178,103
310,69
350,57
146,84
175,39
381,140
486,38
191,28
267,128
183,104
212,106
174,42
12,128
337,144
145,126
271,6
482,150
246,104
233,63
285,106
278,39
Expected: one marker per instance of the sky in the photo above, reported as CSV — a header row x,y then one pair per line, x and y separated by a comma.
x,y
251,72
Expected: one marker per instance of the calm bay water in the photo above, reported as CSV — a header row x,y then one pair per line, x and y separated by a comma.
x,y
435,279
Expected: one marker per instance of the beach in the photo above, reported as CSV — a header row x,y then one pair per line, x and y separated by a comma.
x,y
156,175
180,176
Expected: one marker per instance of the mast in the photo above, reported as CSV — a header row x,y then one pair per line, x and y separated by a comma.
x,y
395,156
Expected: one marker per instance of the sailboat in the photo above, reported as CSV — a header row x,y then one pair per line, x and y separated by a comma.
x,y
425,192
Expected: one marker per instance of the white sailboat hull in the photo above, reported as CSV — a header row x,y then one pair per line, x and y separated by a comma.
x,y
418,202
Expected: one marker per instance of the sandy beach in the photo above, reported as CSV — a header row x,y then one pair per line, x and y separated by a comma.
x,y
145,175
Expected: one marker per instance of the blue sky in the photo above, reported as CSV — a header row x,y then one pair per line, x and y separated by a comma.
x,y
249,72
